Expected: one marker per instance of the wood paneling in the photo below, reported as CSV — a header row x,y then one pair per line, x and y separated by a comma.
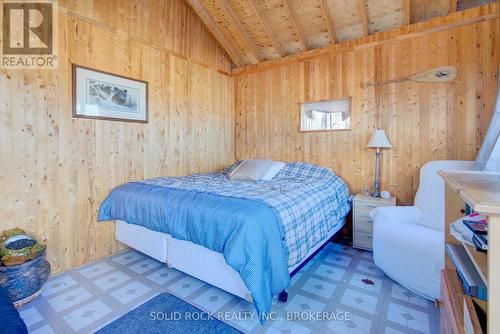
x,y
56,169
169,25
423,121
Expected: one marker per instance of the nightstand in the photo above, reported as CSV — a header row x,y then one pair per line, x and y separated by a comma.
x,y
362,223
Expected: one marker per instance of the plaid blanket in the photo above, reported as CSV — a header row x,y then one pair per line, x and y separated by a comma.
x,y
309,199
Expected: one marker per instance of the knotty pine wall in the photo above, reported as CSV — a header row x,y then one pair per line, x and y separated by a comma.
x,y
423,121
55,169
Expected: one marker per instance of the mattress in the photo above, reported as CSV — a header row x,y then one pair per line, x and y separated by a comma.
x,y
306,199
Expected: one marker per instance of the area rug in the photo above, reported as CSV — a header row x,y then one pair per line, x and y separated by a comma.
x,y
166,313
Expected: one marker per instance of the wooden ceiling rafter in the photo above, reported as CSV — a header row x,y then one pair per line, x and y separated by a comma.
x,y
228,10
255,31
327,14
406,12
458,19
295,22
219,36
363,15
267,28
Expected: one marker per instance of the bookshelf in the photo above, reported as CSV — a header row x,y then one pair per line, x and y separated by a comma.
x,y
459,313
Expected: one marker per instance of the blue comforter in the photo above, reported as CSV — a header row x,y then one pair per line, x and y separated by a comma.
x,y
247,233
255,225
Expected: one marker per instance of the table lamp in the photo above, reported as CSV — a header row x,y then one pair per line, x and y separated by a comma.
x,y
379,140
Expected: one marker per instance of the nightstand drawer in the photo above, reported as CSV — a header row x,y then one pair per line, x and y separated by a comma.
x,y
363,240
363,224
363,209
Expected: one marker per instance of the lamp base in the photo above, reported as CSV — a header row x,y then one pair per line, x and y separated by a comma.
x,y
376,192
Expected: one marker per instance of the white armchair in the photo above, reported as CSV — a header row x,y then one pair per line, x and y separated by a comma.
x,y
408,241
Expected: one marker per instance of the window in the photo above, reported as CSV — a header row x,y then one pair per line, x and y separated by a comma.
x,y
325,115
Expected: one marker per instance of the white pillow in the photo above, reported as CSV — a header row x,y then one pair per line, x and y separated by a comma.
x,y
257,170
273,170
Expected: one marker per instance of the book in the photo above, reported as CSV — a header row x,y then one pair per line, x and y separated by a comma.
x,y
477,227
480,241
467,273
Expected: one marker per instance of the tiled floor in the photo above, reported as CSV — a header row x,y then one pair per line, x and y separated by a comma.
x,y
340,281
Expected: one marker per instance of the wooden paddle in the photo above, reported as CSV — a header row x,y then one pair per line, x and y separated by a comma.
x,y
437,74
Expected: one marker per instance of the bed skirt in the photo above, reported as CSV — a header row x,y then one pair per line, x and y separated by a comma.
x,y
193,259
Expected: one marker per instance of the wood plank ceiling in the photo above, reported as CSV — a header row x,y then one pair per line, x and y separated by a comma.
x,y
252,31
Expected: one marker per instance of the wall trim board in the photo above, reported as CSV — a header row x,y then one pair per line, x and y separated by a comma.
x,y
466,17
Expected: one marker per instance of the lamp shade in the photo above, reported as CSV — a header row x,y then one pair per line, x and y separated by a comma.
x,y
379,139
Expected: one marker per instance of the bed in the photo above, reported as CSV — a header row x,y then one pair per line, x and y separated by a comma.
x,y
245,237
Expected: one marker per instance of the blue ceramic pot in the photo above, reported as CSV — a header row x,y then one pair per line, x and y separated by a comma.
x,y
24,282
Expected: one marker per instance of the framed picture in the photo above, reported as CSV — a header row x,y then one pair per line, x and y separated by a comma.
x,y
102,95
326,115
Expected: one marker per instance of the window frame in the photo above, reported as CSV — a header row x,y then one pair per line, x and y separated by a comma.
x,y
300,104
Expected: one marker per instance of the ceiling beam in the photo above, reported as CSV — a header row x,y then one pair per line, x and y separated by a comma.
x,y
453,6
265,25
363,16
406,12
327,14
241,29
295,23
219,36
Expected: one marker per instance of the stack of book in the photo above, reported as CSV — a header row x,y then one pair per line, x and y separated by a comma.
x,y
479,227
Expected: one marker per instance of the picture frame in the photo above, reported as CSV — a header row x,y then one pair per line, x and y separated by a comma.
x,y
106,96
